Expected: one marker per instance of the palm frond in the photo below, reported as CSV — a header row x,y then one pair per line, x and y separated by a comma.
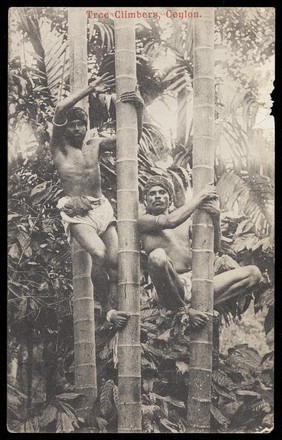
x,y
179,188
56,57
178,81
153,81
101,34
237,151
152,140
182,155
181,39
149,85
49,50
29,22
253,196
169,65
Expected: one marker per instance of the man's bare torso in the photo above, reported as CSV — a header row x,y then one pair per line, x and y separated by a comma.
x,y
176,243
79,169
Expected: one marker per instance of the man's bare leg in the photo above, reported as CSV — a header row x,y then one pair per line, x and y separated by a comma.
x,y
110,239
169,287
234,283
92,243
100,281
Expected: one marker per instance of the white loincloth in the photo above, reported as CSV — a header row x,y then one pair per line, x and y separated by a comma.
x,y
99,218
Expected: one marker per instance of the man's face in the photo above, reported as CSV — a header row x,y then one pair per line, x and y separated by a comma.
x,y
158,200
75,132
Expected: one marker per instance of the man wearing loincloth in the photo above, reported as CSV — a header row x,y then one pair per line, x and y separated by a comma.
x,y
166,238
86,213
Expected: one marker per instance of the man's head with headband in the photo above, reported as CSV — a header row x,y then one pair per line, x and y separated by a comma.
x,y
157,181
75,126
76,113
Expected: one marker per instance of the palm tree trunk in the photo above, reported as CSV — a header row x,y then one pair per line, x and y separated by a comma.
x,y
199,389
83,300
129,349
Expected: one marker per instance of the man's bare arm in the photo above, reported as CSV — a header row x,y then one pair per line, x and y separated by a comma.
x,y
109,144
98,85
152,223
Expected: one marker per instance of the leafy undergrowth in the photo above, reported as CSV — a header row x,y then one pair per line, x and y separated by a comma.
x,y
242,385
59,415
249,329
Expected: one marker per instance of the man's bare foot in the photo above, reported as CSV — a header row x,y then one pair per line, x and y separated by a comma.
x,y
119,319
197,319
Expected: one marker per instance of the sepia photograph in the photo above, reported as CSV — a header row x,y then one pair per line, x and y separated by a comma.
x,y
140,220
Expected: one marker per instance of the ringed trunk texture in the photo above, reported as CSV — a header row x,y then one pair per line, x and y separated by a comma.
x,y
200,372
83,299
129,349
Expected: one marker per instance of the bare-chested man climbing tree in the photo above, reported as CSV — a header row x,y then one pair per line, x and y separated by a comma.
x,y
86,213
166,237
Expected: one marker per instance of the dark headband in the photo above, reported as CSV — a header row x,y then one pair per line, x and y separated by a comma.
x,y
158,181
77,113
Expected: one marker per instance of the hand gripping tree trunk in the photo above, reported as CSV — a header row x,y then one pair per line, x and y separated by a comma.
x,y
83,300
199,390
129,349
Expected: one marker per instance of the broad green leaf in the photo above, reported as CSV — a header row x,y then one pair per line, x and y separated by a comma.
x,y
247,393
13,215
169,399
183,367
38,189
14,251
33,425
23,239
165,335
28,252
168,425
268,420
219,417
48,415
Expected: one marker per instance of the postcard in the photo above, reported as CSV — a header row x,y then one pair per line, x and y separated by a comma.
x,y
140,220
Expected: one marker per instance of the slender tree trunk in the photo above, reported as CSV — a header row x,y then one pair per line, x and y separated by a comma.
x,y
29,346
50,367
83,300
22,368
129,349
199,390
